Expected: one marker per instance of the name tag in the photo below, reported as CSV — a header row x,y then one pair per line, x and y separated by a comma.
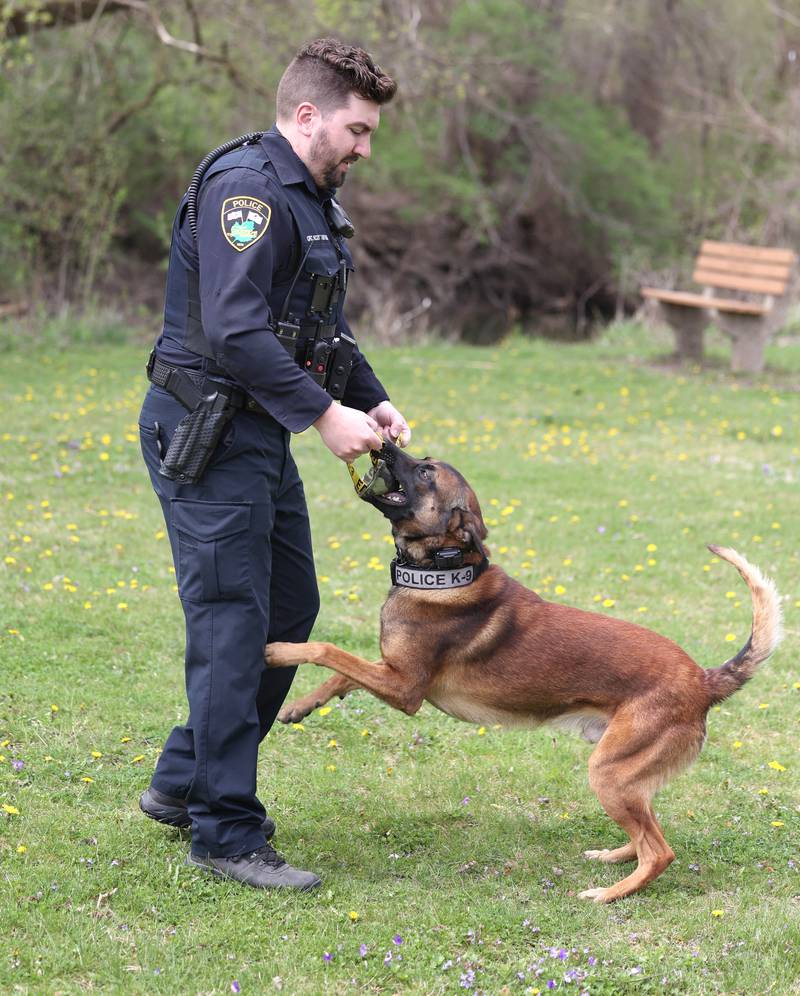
x,y
433,579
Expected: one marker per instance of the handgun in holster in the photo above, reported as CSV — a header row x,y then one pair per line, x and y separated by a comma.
x,y
195,439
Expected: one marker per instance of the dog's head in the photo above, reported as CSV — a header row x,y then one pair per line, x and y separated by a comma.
x,y
430,507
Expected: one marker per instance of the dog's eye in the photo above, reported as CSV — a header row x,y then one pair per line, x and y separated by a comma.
x,y
426,473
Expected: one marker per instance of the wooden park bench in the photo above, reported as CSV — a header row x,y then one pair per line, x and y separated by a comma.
x,y
760,279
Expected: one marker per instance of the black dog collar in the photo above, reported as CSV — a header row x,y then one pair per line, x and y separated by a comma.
x,y
433,578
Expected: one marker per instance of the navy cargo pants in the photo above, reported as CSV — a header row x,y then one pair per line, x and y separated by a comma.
x,y
241,545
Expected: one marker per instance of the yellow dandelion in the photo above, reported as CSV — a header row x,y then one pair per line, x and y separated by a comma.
x,y
137,759
718,913
298,726
353,915
330,767
21,848
325,710
730,637
777,823
87,779
333,743
736,744
11,810
96,754
776,766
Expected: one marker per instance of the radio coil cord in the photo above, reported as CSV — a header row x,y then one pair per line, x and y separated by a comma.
x,y
199,173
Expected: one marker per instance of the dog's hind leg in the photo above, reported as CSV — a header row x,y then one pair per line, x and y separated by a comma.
x,y
609,857
638,753
298,709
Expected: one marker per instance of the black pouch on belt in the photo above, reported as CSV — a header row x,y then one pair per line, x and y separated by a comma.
x,y
195,439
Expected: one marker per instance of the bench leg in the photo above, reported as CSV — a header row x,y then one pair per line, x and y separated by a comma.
x,y
688,324
749,334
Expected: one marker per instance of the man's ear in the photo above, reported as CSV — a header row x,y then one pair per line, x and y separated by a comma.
x,y
305,117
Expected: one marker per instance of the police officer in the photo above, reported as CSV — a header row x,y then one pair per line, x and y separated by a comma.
x,y
254,348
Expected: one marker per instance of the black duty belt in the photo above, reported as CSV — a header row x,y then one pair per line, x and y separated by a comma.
x,y
181,385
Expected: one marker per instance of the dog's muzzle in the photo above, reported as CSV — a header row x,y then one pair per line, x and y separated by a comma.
x,y
379,480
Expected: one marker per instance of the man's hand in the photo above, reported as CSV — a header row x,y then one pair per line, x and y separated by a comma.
x,y
391,423
348,432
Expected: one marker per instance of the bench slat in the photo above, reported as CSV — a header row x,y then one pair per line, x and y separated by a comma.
x,y
733,282
735,250
690,300
744,268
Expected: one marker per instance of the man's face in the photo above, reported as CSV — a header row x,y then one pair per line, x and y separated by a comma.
x,y
341,139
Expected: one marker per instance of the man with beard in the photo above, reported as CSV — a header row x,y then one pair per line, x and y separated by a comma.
x,y
255,347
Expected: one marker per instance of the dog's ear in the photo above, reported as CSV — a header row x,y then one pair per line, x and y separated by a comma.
x,y
475,526
468,525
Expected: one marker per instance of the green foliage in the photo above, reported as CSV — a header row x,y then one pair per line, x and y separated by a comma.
x,y
625,197
552,148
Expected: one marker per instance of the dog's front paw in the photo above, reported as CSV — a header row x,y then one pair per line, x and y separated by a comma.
x,y
284,654
295,711
596,895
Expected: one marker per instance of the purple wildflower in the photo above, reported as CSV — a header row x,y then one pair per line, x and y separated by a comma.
x,y
363,950
17,765
235,987
327,956
398,940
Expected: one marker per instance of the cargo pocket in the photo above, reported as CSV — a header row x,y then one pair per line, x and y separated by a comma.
x,y
213,549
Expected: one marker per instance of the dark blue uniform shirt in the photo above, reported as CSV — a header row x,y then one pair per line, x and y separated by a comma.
x,y
261,223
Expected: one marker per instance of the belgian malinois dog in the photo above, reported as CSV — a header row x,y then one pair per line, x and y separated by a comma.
x,y
466,637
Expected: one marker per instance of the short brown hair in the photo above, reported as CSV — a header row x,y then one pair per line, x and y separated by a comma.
x,y
325,72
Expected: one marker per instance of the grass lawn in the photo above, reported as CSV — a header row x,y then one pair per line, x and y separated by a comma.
x,y
451,854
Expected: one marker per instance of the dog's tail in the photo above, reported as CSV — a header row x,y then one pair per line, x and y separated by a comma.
x,y
765,633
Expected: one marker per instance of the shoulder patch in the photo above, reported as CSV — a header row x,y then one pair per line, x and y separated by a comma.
x,y
244,220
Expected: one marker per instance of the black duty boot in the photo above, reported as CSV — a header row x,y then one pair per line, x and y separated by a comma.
x,y
174,813
262,869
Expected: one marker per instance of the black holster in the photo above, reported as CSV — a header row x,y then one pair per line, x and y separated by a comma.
x,y
195,439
